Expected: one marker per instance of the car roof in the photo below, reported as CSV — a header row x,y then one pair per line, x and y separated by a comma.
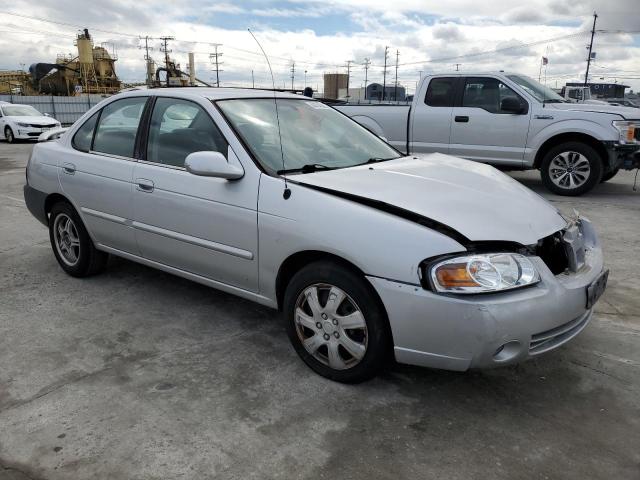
x,y
213,93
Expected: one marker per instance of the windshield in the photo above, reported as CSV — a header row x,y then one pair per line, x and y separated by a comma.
x,y
20,111
536,89
312,134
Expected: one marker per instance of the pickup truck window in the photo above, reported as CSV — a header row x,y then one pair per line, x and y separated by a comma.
x,y
486,93
178,128
440,92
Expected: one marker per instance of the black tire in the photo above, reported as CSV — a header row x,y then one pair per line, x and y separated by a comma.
x,y
89,260
9,136
609,175
565,150
360,294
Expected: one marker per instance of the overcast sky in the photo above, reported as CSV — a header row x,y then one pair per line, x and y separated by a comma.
x,y
431,36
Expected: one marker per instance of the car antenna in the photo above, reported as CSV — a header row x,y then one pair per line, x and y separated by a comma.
x,y
287,193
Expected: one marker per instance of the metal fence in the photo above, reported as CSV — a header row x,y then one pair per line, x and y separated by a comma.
x,y
64,109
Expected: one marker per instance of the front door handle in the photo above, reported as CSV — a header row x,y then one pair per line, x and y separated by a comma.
x,y
69,168
461,118
144,185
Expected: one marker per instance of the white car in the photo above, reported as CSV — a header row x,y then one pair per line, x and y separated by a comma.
x,y
443,262
23,122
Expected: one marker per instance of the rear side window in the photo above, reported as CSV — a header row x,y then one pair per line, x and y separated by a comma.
x,y
118,126
178,128
83,137
440,92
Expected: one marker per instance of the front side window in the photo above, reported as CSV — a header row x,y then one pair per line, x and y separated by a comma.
x,y
118,126
84,136
440,92
312,134
486,93
178,128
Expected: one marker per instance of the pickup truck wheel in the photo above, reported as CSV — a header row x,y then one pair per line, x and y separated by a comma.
x,y
571,169
8,135
71,243
336,323
609,175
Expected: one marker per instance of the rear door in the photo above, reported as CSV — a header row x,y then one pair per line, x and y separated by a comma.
x,y
481,130
201,225
96,173
431,118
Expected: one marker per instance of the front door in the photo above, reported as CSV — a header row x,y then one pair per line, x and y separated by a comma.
x,y
481,130
96,173
202,225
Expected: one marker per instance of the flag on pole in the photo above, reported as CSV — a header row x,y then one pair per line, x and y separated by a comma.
x,y
545,60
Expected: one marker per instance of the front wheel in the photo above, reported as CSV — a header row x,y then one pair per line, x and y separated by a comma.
x,y
8,135
336,322
571,169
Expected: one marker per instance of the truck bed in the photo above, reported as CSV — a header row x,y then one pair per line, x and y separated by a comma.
x,y
385,120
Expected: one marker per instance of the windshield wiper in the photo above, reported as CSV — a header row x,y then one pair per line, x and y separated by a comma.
x,y
308,168
376,160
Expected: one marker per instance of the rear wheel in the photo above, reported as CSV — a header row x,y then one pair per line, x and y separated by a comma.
x,y
8,135
571,168
71,243
336,323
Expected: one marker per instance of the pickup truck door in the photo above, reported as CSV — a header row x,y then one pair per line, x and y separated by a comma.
x,y
431,117
482,130
202,225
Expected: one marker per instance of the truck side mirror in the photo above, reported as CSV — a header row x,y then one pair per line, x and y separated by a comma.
x,y
512,105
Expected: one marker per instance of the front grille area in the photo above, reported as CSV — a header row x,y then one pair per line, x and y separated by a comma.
x,y
545,341
48,125
552,251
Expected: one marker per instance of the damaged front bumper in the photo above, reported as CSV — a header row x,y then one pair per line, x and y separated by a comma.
x,y
457,332
623,156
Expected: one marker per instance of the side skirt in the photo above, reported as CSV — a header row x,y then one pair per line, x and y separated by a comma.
x,y
254,297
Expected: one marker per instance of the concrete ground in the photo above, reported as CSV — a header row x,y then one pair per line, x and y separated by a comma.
x,y
138,374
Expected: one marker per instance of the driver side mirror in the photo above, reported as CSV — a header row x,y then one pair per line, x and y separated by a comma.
x,y
513,105
212,164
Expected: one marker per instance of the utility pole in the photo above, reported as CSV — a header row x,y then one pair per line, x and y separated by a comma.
x,y
593,32
384,72
349,62
215,59
305,78
253,80
166,52
147,58
395,92
293,73
366,64
457,66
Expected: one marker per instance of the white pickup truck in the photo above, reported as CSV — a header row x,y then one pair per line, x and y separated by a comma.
x,y
514,123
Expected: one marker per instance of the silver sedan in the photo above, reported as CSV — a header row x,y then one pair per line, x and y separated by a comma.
x,y
283,200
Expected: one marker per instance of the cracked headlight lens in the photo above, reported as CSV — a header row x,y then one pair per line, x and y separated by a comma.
x,y
492,272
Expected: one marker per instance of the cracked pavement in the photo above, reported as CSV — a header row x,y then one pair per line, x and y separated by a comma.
x,y
138,374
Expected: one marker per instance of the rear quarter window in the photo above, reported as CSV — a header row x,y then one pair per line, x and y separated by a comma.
x,y
84,136
440,92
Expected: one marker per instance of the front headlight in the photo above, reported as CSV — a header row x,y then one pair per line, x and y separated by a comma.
x,y
481,273
20,124
627,130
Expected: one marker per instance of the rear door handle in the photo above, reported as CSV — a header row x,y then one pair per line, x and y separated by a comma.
x,y
461,118
69,168
144,185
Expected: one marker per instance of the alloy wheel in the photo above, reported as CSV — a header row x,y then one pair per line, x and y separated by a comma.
x,y
331,326
66,239
569,170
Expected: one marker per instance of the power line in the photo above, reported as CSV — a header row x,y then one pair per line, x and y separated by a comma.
x,y
215,59
366,64
166,51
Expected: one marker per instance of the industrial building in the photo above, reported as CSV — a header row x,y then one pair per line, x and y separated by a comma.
x,y
333,83
91,71
603,90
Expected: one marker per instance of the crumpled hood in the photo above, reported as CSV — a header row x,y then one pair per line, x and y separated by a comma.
x,y
33,120
474,199
628,113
